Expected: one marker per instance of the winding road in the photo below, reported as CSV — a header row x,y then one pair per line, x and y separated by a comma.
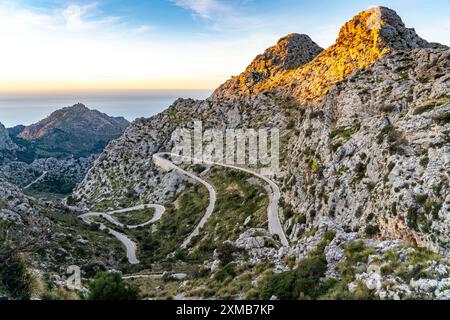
x,y
129,244
42,176
168,165
274,222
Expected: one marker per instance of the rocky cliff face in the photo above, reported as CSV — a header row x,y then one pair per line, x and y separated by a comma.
x,y
75,130
61,175
5,141
380,142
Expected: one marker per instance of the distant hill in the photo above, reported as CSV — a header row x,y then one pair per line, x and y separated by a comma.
x,y
63,146
73,131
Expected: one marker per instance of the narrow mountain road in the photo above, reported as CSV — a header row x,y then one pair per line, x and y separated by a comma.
x,y
274,222
168,165
159,210
42,176
165,164
129,244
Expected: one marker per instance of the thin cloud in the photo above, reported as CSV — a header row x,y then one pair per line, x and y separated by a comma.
x,y
204,8
221,15
71,18
78,17
73,15
143,29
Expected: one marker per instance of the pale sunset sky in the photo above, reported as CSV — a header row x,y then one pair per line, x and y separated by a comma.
x,y
57,45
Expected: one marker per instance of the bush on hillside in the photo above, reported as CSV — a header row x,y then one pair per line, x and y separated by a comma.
x,y
110,286
15,281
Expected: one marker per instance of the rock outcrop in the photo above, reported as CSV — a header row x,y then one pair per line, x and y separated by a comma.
x,y
5,141
7,146
289,53
380,146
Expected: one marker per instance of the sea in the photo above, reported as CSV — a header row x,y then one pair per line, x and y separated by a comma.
x,y
26,109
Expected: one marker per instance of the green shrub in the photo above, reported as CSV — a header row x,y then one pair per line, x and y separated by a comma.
x,y
301,283
301,219
314,165
412,217
372,230
329,235
387,108
290,125
370,186
280,285
316,114
227,271
359,212
225,253
357,252
110,286
71,201
360,170
345,133
308,274
421,198
424,108
15,280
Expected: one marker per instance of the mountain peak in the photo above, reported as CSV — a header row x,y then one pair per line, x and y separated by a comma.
x,y
290,52
380,29
362,41
68,128
79,107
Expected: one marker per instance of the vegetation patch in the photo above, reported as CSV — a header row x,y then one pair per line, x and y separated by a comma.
x,y
345,133
301,283
110,286
135,217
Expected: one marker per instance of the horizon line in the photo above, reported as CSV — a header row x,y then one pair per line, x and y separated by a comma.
x,y
33,91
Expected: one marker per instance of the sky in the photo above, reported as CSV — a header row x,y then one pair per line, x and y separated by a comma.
x,y
59,45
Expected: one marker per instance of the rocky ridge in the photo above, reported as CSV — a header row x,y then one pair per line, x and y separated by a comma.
x,y
61,174
361,41
290,53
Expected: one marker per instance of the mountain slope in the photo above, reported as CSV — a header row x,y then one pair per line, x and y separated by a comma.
x,y
380,145
364,179
74,130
